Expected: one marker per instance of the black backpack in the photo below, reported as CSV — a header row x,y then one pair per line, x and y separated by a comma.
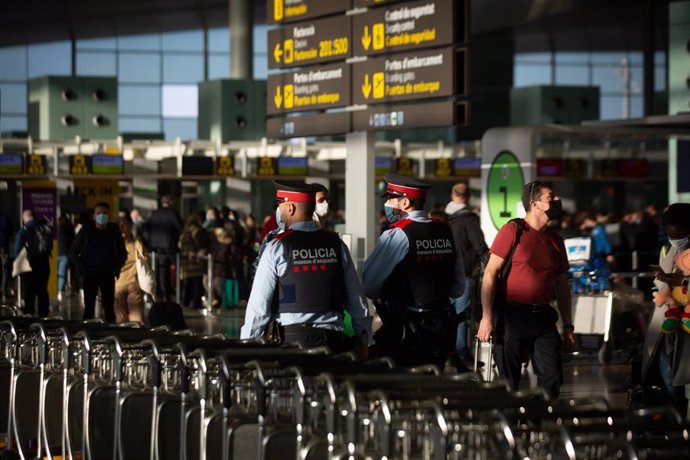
x,y
41,244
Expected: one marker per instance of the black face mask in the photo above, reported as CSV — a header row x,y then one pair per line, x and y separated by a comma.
x,y
555,209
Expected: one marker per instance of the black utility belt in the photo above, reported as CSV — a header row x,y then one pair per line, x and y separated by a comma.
x,y
440,310
531,307
306,329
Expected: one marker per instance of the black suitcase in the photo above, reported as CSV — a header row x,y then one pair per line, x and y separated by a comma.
x,y
167,314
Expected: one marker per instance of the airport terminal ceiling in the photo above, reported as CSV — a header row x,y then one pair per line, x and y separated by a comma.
x,y
540,25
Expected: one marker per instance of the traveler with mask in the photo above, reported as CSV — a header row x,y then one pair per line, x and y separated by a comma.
x,y
412,274
99,252
321,210
517,309
305,280
469,242
36,237
667,355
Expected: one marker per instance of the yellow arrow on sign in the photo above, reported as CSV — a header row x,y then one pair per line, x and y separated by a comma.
x,y
366,87
278,98
366,38
277,52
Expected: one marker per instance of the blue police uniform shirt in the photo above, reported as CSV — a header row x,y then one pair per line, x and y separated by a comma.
x,y
390,250
273,265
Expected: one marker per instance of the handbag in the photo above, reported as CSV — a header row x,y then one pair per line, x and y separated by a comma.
x,y
21,263
145,275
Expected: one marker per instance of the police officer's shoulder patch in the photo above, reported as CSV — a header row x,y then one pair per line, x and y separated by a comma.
x,y
282,235
402,223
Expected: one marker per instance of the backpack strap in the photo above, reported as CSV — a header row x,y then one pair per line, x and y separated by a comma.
x,y
518,234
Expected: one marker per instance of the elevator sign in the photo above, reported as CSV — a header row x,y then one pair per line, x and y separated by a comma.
x,y
281,11
310,89
405,26
310,42
408,76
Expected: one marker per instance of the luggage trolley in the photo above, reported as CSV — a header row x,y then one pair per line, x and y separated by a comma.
x,y
596,303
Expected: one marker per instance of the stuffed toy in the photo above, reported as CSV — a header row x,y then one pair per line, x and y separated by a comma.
x,y
677,298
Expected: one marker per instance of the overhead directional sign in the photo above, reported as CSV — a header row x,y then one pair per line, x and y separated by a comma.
x,y
317,88
408,76
369,3
323,124
281,11
404,26
313,42
425,115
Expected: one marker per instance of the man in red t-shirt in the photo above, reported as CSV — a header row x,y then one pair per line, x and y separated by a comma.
x,y
523,320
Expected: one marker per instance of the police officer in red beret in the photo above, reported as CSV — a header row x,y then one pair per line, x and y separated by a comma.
x,y
305,280
412,274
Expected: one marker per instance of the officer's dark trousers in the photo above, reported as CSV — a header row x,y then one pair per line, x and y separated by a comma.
x,y
311,337
431,337
106,284
530,331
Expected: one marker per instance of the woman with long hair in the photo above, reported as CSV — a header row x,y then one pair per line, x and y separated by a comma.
x,y
129,298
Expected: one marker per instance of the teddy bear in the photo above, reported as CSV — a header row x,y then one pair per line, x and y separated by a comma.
x,y
677,298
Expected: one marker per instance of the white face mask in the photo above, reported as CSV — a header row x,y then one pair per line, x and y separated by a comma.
x,y
279,219
321,209
679,243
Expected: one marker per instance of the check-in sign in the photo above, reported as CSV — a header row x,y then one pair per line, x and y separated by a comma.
x,y
282,11
312,42
404,26
310,89
408,76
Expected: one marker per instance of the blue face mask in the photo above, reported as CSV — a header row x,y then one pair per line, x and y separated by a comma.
x,y
390,215
101,219
279,219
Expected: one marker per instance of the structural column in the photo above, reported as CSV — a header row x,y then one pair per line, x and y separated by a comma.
x,y
360,208
241,39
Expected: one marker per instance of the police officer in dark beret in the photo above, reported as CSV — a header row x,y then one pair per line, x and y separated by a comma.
x,y
413,273
305,279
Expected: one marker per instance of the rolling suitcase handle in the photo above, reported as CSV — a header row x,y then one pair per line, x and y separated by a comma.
x,y
489,364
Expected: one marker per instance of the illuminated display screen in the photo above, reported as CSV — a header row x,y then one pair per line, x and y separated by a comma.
x,y
11,163
107,164
290,166
471,167
383,166
549,167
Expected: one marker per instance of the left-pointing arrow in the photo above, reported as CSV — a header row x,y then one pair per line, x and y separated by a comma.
x,y
277,52
278,98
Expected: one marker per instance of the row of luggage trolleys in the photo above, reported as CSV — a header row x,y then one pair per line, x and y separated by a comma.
x,y
89,390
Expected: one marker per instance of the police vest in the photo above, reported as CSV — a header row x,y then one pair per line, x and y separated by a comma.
x,y
424,278
314,279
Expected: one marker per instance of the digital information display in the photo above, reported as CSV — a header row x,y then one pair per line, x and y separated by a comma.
x,y
11,163
293,166
107,164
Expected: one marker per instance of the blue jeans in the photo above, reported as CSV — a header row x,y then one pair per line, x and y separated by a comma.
x,y
62,266
461,304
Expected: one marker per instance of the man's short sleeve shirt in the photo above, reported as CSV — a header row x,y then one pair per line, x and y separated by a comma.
x,y
537,261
